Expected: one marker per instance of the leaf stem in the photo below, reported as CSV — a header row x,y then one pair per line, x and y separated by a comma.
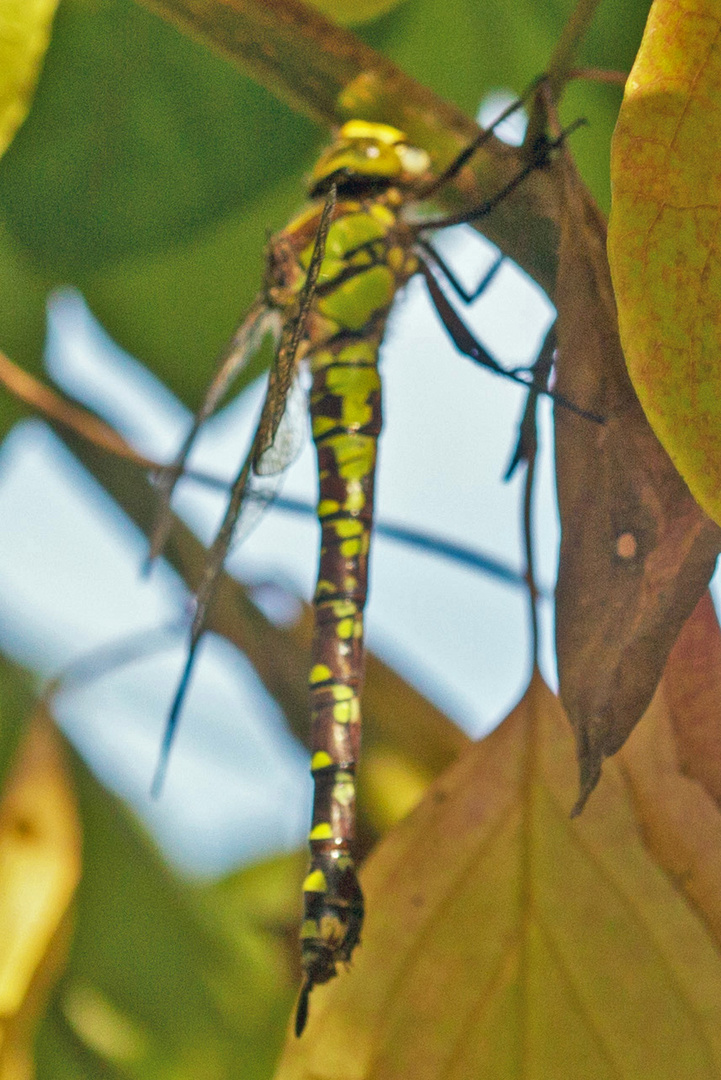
x,y
563,56
560,67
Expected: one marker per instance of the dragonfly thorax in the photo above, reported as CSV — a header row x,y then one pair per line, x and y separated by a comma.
x,y
369,157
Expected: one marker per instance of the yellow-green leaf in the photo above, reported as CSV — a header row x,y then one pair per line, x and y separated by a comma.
x,y
664,236
504,939
24,36
39,871
167,981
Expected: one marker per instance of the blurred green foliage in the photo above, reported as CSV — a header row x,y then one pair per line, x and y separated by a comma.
x,y
167,979
148,174
16,698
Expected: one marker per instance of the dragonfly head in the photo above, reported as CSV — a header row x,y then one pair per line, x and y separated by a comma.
x,y
368,155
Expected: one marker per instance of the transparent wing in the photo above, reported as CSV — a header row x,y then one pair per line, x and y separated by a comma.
x,y
282,379
290,436
268,470
246,341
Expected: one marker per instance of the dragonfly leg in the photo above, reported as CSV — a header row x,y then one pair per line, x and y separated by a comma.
x,y
471,347
466,296
539,158
540,372
482,137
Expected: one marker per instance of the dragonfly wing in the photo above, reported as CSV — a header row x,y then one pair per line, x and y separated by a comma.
x,y
289,436
269,468
246,341
282,377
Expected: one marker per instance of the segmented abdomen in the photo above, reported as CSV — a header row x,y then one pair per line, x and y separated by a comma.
x,y
346,417
362,272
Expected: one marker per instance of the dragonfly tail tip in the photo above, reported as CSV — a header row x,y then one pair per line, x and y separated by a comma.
x,y
301,1012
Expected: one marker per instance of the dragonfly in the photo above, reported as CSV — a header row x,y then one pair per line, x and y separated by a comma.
x,y
331,278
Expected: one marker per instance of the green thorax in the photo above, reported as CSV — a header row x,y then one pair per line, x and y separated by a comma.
x,y
368,258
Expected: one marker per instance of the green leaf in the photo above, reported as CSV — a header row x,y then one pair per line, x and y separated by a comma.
x,y
139,138
16,699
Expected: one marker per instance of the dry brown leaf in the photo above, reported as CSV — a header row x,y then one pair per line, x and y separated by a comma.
x,y
504,939
636,551
39,870
680,820
673,764
692,687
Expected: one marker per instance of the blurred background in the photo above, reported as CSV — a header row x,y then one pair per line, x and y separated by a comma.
x,y
134,206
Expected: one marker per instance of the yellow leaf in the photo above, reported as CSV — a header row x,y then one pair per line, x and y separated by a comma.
x,y
504,939
664,235
39,870
24,36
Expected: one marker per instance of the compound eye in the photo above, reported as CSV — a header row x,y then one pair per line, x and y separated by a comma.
x,y
414,160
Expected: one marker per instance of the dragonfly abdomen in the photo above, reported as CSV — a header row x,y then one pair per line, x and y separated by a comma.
x,y
364,267
346,420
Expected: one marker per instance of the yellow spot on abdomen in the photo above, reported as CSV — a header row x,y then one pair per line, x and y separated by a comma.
x,y
347,712
355,498
322,425
347,527
340,609
319,673
354,454
320,760
315,882
344,790
350,548
364,352
321,831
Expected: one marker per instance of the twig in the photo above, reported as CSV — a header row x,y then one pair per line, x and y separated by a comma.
x,y
599,75
30,390
559,68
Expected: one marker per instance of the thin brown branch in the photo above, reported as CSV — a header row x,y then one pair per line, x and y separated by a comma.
x,y
560,66
38,396
567,46
599,75
317,67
